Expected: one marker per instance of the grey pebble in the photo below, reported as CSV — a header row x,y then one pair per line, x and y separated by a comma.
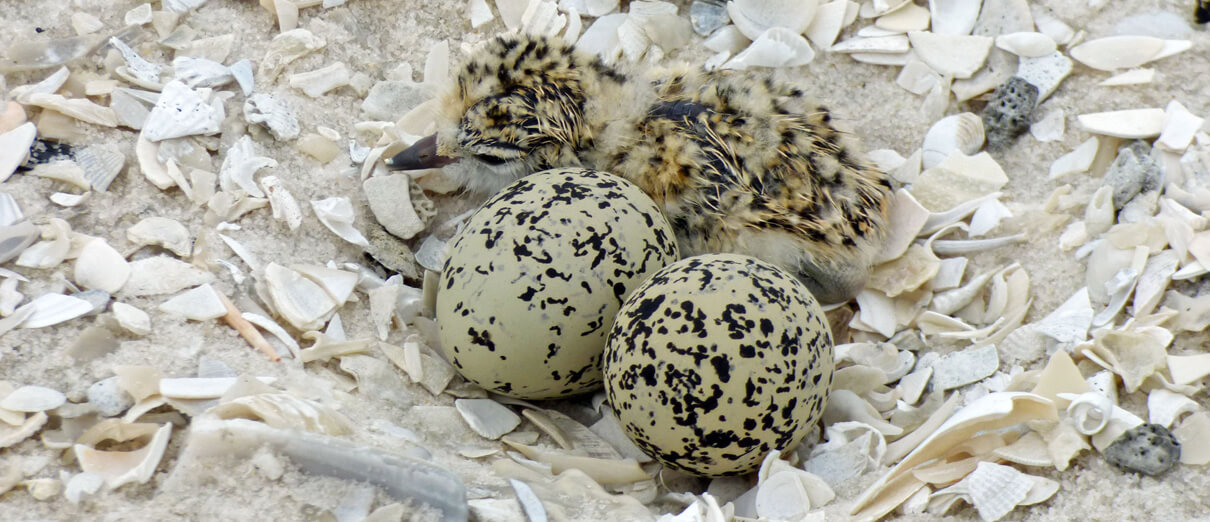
x,y
1149,449
1133,171
109,398
1007,114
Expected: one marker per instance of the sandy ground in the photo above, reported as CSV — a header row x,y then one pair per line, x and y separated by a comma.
x,y
375,36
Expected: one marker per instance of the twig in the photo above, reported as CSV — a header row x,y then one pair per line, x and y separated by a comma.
x,y
247,330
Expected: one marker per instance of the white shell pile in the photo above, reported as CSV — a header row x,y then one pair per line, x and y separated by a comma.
x,y
1002,334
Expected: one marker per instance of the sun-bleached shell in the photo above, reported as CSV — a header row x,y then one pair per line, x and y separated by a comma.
x,y
1045,72
958,179
1186,369
995,489
825,26
101,163
910,17
181,111
336,213
1166,407
132,319
896,44
1130,77
161,231
954,55
917,78
776,47
300,301
488,418
14,148
285,48
122,467
784,492
754,17
239,167
162,275
1193,434
273,113
199,304
1129,124
318,82
200,387
1026,44
1118,52
907,219
33,399
1076,161
285,411
955,17
100,267
963,132
200,72
52,309
1178,128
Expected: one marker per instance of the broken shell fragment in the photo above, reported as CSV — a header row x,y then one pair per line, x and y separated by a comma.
x,y
33,399
52,309
285,411
488,418
160,231
336,213
1129,124
132,319
100,267
300,301
200,304
122,467
181,111
962,132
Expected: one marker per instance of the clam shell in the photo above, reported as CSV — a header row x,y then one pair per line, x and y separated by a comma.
x,y
200,304
1026,44
14,148
1118,52
101,164
956,17
776,47
336,214
33,399
951,55
99,266
318,82
274,113
754,17
181,111
962,132
52,309
1129,124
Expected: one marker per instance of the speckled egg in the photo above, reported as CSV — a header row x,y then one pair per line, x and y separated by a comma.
x,y
716,361
533,281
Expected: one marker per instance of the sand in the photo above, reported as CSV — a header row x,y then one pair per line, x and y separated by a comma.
x,y
374,37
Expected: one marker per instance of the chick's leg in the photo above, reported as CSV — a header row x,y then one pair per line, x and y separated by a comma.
x,y
831,282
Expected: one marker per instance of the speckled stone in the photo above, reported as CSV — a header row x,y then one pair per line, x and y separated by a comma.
x,y
1007,114
1132,172
1149,449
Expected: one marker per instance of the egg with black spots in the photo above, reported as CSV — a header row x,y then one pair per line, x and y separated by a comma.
x,y
533,281
716,361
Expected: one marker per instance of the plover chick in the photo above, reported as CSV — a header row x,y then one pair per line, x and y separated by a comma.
x,y
740,161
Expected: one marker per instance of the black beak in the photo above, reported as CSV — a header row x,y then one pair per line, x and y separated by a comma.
x,y
421,155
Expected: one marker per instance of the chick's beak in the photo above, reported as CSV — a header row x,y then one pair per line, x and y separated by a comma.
x,y
421,155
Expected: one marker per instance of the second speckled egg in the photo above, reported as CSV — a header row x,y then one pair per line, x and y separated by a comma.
x,y
535,278
716,361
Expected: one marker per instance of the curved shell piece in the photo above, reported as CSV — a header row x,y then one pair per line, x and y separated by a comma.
x,y
754,17
161,231
122,467
1026,44
1118,52
954,16
33,399
1129,124
1090,412
1166,407
281,410
776,47
14,148
962,132
101,267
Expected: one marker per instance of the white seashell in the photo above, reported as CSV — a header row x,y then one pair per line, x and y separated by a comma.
x,y
488,418
282,335
877,311
1129,124
242,72
776,47
1026,44
285,207
123,467
1050,26
1131,77
200,72
1165,407
1045,72
1173,47
181,111
1069,323
955,17
66,171
339,284
1050,127
907,217
132,319
14,148
274,113
33,399
601,38
390,201
1192,434
318,82
987,216
137,69
241,252
964,367
788,493
130,111
139,15
951,55
49,85
1155,278
78,108
162,275
336,214
10,211
1090,412
917,78
962,132
825,26
147,153
949,274
44,254
958,179
1179,127
871,31
1076,161
530,503
844,405
239,167
1186,369
910,17
52,309
81,485
996,489
480,13
201,387
405,479
1118,52
897,44
906,273
101,267
897,60
285,411
990,412
754,17
300,301
200,304
160,231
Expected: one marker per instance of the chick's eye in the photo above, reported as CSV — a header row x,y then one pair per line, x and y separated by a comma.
x,y
490,160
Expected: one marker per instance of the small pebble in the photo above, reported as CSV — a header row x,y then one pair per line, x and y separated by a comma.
x,y
707,16
1132,172
109,398
1149,449
1007,114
